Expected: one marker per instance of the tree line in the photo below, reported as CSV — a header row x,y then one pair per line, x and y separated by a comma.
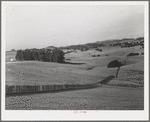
x,y
83,47
46,55
76,47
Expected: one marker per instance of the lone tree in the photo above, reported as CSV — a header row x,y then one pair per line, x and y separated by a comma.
x,y
114,64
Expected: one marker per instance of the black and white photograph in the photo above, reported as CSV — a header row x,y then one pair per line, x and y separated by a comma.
x,y
76,57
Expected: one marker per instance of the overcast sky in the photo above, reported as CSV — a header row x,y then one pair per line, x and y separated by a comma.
x,y
38,26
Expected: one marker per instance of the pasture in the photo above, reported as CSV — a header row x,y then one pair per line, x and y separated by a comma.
x,y
122,93
81,68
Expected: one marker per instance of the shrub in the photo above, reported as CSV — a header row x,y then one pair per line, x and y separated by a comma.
x,y
92,55
133,54
99,49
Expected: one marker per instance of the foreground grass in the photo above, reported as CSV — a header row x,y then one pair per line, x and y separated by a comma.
x,y
102,98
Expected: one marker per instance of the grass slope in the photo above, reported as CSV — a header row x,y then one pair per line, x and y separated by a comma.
x,y
93,70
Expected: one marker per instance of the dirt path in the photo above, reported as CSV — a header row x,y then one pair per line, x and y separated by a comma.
x,y
102,98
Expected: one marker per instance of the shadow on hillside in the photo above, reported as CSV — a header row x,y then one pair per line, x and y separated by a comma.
x,y
73,63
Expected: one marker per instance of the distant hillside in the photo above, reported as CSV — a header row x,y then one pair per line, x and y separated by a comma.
x,y
76,47
115,42
11,51
51,47
108,41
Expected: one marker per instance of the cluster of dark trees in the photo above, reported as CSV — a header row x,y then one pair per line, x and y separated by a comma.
x,y
95,45
76,47
116,44
46,55
71,51
126,44
83,47
96,55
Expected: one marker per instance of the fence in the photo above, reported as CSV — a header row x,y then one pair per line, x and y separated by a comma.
x,y
22,89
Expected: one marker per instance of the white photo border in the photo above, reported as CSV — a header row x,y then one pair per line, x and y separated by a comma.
x,y
48,115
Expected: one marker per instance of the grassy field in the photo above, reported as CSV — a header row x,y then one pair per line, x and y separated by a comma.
x,y
102,98
80,69
92,70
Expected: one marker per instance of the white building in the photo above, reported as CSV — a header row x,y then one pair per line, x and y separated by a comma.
x,y
11,59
